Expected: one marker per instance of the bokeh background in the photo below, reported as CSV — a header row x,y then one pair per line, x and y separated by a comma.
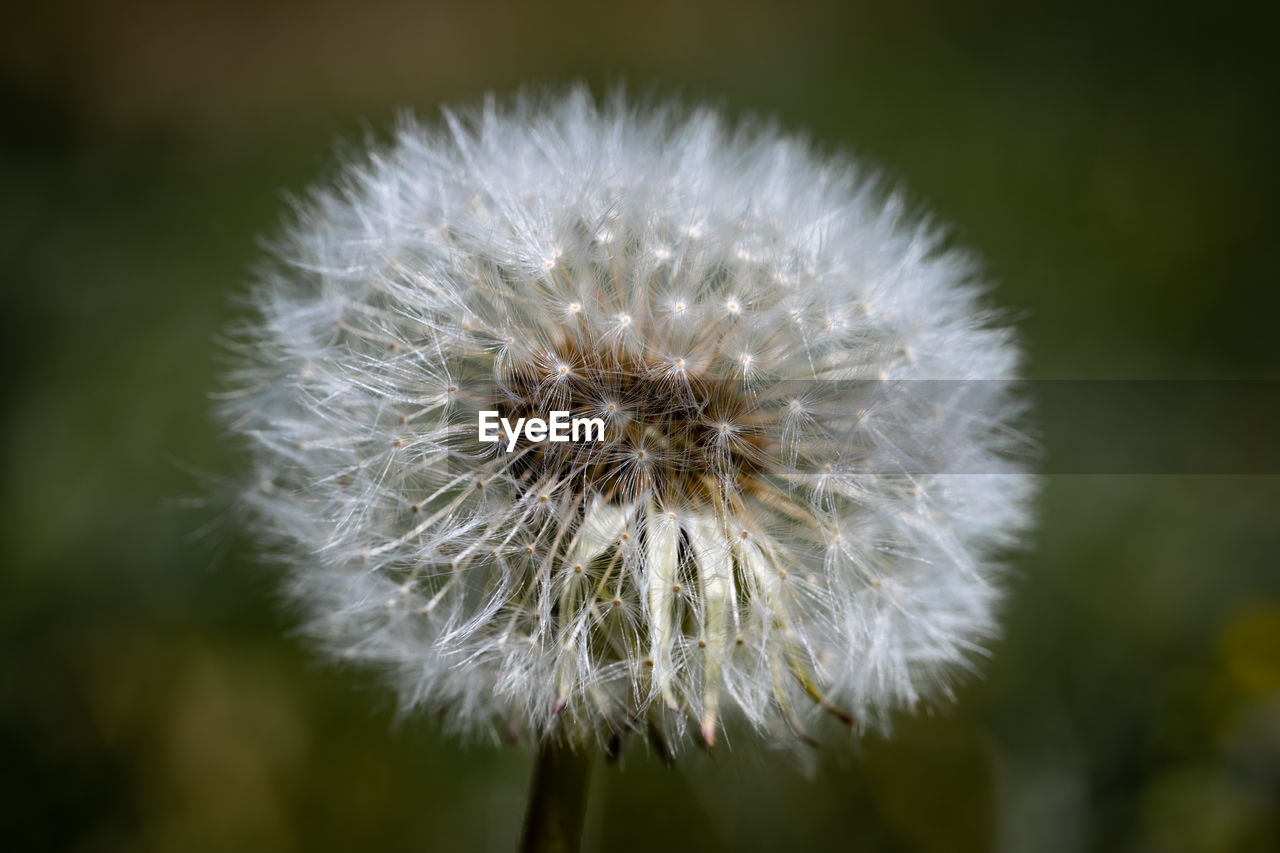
x,y
1116,167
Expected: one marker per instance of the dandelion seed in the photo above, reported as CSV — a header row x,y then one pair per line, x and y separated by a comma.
x,y
561,586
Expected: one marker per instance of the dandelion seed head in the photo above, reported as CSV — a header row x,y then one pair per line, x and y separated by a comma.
x,y
733,551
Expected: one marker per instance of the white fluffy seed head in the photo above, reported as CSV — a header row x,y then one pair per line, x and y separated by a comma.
x,y
755,540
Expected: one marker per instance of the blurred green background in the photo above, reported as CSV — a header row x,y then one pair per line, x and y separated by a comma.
x,y
1115,166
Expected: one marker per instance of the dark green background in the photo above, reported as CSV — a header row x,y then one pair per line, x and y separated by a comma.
x,y
1116,167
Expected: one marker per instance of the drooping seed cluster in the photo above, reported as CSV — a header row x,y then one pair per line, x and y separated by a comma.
x,y
783,525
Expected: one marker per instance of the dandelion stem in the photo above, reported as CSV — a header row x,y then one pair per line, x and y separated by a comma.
x,y
557,799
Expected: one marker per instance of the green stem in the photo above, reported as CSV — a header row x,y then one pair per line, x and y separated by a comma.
x,y
557,800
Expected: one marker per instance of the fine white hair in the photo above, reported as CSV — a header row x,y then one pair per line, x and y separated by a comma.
x,y
797,515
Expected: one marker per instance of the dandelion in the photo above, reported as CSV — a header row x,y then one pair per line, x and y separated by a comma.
x,y
777,532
